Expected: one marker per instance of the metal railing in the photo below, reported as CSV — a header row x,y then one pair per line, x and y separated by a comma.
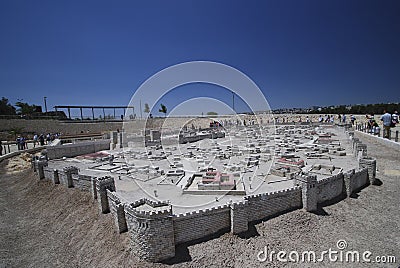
x,y
12,146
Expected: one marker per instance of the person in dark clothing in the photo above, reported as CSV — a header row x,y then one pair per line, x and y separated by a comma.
x,y
41,140
19,141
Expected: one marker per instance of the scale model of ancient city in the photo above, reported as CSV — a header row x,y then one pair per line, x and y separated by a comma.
x,y
168,181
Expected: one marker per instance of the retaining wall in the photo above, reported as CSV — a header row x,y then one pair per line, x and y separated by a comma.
x,y
81,148
53,126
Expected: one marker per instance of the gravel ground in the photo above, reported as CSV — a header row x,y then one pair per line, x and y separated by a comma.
x,y
43,225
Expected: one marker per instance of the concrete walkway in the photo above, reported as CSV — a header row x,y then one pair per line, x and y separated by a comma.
x,y
383,141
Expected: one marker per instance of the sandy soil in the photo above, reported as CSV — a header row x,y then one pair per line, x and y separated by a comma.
x,y
43,225
18,163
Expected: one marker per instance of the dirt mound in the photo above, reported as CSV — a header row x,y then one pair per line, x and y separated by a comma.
x,y
46,225
17,163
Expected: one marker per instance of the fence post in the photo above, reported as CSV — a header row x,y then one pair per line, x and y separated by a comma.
x,y
396,139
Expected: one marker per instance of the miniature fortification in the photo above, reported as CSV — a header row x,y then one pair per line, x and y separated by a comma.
x,y
167,186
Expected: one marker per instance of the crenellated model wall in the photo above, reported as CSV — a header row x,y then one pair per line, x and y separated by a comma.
x,y
152,232
117,210
330,188
268,204
197,224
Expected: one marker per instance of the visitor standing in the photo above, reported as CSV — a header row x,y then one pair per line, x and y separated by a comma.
x,y
352,119
41,140
35,140
48,138
23,143
386,118
395,118
19,143
371,122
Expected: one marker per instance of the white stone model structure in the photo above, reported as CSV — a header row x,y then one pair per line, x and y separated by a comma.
x,y
168,193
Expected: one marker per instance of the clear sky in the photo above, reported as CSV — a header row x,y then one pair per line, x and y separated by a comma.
x,y
300,53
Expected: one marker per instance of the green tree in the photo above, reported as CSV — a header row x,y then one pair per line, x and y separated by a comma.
x,y
212,113
163,109
26,109
15,131
6,108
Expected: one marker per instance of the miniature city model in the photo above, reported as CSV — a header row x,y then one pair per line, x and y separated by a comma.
x,y
172,184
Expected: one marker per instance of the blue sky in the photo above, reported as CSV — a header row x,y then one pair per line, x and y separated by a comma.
x,y
299,53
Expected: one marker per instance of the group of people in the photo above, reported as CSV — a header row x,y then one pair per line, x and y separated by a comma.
x,y
21,143
43,139
327,119
38,139
388,120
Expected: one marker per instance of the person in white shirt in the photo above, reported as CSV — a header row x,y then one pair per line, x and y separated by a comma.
x,y
386,118
395,118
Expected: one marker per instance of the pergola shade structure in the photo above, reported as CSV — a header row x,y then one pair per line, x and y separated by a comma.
x,y
92,108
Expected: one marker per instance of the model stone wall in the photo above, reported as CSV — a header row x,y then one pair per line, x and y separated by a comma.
x,y
83,182
198,224
330,188
80,181
155,234
152,233
268,204
359,179
370,164
117,210
102,185
48,173
239,217
355,180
